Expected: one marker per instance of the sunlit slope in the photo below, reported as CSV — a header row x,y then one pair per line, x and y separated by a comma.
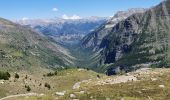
x,y
23,48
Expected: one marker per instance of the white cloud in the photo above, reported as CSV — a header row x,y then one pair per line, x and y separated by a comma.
x,y
54,9
65,16
71,17
25,18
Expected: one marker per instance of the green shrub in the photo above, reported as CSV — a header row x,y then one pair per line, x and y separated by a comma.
x,y
8,74
47,85
56,72
98,76
26,77
28,88
16,75
51,74
5,75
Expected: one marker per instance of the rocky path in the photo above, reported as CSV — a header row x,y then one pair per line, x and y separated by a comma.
x,y
77,85
116,80
20,95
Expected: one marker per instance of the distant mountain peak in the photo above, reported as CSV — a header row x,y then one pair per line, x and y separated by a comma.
x,y
130,12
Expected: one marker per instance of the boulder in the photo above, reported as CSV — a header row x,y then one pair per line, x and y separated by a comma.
x,y
60,93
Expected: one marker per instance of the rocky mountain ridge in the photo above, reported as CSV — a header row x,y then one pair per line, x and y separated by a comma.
x,y
93,40
142,38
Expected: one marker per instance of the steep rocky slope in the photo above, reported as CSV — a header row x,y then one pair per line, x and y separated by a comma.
x,y
141,38
22,48
93,40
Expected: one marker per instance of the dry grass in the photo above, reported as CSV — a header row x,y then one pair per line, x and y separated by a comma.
x,y
64,81
146,88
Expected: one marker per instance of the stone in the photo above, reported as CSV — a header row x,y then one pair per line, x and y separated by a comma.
x,y
60,93
154,79
80,69
81,92
77,85
72,96
107,98
1,81
161,86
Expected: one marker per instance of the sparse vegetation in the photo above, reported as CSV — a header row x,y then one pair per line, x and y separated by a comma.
x,y
64,80
51,74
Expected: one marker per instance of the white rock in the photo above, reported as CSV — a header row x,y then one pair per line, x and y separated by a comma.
x,y
154,79
1,81
110,26
81,92
91,97
122,99
72,96
107,98
77,85
60,93
80,69
41,94
161,86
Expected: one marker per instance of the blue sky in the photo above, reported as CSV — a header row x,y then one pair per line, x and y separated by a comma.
x,y
18,9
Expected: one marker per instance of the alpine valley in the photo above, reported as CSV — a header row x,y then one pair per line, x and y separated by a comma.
x,y
123,57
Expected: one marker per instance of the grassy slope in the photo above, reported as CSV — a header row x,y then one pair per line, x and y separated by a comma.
x,y
23,49
64,81
146,88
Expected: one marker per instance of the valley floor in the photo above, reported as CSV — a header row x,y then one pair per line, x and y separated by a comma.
x,y
81,84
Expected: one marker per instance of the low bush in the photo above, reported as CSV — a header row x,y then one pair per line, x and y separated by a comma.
x,y
28,88
16,75
4,75
51,74
47,85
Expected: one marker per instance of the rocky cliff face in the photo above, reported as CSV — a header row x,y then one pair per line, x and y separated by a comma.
x,y
141,38
93,40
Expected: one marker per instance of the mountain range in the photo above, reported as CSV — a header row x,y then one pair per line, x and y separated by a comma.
x,y
127,40
64,30
124,57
